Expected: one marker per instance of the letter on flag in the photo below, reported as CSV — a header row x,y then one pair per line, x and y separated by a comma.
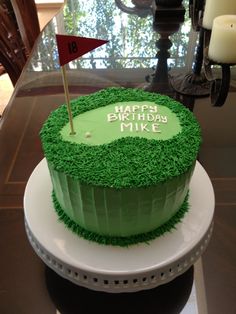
x,y
72,47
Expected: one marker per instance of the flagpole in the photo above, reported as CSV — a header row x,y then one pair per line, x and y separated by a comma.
x,y
65,83
70,48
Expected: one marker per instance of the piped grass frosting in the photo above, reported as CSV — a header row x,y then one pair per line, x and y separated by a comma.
x,y
126,162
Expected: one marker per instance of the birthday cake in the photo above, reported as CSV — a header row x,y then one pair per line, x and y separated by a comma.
x,y
124,176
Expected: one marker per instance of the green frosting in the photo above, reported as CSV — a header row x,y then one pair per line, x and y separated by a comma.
x,y
131,118
120,212
128,161
116,240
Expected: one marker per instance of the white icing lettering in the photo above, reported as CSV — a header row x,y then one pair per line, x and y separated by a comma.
x,y
125,116
132,116
157,118
155,128
118,109
111,117
127,109
141,116
164,119
143,127
150,117
126,125
144,107
136,127
153,109
135,108
138,118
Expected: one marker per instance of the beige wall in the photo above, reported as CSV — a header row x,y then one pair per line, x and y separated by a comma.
x,y
47,9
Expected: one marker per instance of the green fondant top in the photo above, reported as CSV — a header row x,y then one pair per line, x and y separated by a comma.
x,y
161,146
131,118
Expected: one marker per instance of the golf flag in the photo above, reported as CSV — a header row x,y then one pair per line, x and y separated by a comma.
x,y
72,47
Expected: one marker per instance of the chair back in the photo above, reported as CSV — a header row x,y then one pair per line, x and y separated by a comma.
x,y
19,28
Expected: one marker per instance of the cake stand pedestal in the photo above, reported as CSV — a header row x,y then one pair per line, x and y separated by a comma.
x,y
116,269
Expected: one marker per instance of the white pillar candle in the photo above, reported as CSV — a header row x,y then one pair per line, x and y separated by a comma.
x,y
214,8
223,39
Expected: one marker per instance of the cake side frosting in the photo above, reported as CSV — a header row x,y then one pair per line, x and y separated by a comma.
x,y
120,212
120,240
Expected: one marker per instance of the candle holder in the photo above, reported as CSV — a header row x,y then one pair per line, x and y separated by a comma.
x,y
167,21
209,82
194,84
196,9
219,85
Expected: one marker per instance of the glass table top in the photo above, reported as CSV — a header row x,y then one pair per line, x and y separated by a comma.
x,y
132,37
128,59
137,39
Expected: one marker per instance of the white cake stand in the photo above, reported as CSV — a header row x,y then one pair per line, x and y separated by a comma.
x,y
117,269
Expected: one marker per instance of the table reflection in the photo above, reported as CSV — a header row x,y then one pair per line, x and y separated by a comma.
x,y
69,298
143,52
132,40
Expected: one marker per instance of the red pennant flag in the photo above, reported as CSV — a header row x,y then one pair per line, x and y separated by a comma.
x,y
72,47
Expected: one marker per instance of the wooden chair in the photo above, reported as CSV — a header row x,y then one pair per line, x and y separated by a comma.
x,y
19,28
